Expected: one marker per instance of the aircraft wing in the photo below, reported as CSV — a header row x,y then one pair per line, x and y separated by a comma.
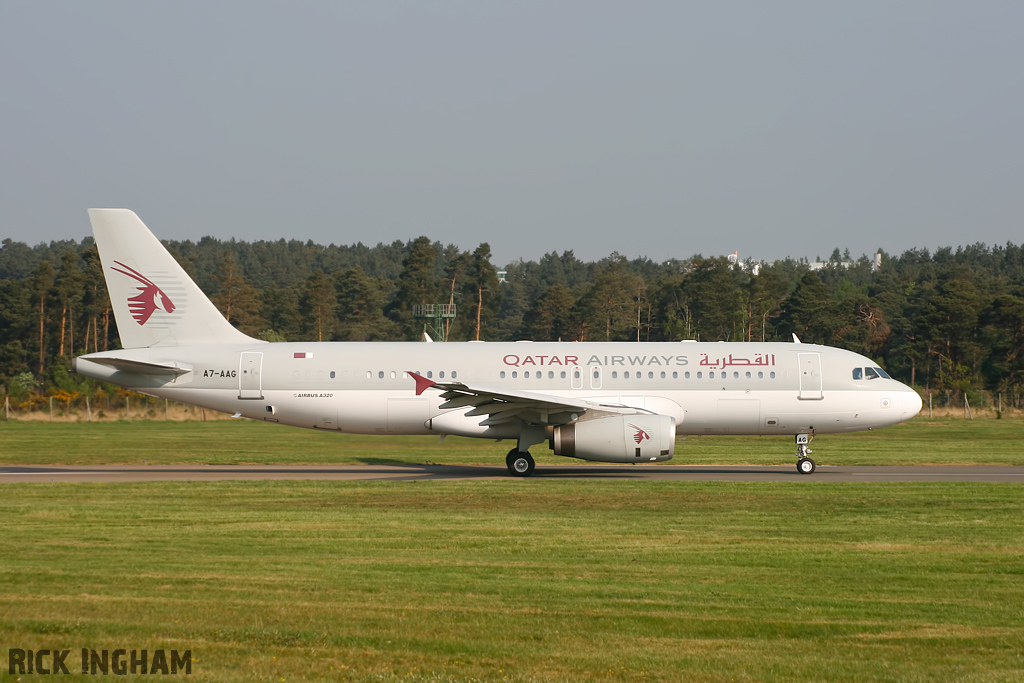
x,y
499,406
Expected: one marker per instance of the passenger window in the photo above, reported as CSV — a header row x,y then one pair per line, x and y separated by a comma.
x,y
332,374
858,373
882,373
454,374
551,375
563,374
502,374
675,375
626,374
526,374
441,374
515,374
710,374
686,375
870,373
700,375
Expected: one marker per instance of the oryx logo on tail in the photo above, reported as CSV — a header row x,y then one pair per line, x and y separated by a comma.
x,y
149,299
640,434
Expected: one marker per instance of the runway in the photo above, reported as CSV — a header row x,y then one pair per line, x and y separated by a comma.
x,y
432,472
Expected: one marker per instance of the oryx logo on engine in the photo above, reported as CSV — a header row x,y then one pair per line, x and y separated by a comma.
x,y
640,435
149,299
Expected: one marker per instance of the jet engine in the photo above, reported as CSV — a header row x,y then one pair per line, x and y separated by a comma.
x,y
620,438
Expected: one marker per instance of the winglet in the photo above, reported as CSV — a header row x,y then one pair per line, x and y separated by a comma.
x,y
422,383
796,339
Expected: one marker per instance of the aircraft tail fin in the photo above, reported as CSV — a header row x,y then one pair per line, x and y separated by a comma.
x,y
155,302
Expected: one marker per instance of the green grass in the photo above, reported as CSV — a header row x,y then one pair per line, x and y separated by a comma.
x,y
525,579
922,441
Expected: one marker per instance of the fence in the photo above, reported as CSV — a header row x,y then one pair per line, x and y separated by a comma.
x,y
972,404
64,406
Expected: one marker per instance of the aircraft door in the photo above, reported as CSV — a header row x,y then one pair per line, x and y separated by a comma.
x,y
250,373
595,377
576,378
810,376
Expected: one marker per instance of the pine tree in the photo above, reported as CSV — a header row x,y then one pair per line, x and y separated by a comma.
x,y
417,284
235,297
42,284
360,307
317,305
551,317
69,283
481,284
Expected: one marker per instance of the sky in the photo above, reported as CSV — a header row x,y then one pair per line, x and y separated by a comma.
x,y
657,129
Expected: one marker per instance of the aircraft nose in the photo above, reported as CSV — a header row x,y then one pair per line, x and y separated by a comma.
x,y
912,403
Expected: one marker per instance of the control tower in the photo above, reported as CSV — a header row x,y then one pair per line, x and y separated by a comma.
x,y
437,319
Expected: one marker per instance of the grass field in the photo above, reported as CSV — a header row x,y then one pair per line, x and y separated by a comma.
x,y
921,441
518,580
525,580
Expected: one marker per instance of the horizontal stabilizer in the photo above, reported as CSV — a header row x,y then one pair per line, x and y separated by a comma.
x,y
141,367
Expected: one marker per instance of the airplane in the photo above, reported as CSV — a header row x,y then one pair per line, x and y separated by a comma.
x,y
614,402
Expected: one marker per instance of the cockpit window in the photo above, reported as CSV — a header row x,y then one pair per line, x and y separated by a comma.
x,y
858,373
870,373
883,373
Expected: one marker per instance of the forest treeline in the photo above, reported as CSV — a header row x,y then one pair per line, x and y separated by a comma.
x,y
952,320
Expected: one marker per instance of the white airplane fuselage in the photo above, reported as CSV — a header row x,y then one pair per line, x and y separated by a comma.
x,y
365,388
609,402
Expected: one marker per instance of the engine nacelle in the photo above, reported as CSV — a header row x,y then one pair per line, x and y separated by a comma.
x,y
621,438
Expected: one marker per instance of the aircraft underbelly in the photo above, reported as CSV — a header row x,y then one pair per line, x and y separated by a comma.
x,y
363,412
407,415
739,415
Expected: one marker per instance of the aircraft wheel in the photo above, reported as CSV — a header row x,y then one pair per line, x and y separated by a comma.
x,y
520,463
805,466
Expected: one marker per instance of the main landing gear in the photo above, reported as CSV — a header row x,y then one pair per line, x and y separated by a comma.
x,y
520,463
804,465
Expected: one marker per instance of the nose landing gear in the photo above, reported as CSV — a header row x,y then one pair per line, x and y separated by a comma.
x,y
804,465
